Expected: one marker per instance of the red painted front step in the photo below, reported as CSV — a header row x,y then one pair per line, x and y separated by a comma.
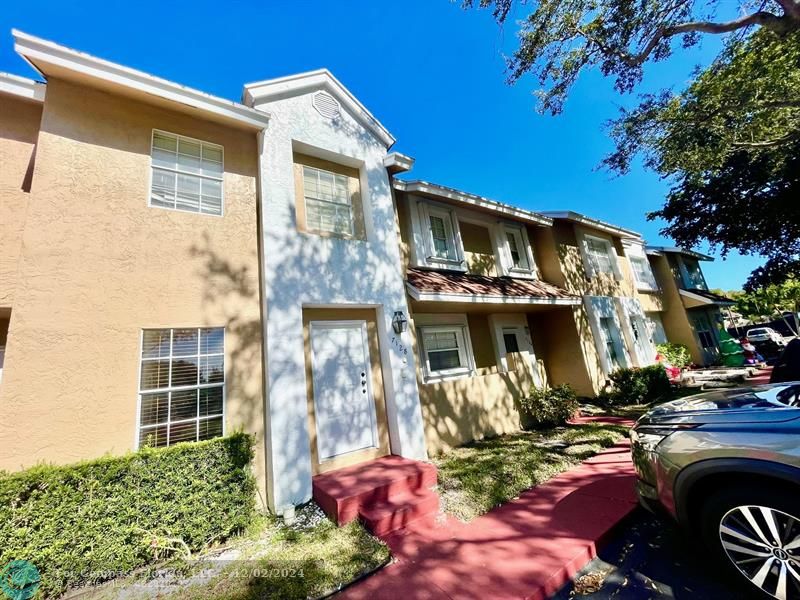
x,y
387,493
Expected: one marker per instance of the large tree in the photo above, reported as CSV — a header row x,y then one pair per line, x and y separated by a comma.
x,y
561,38
729,144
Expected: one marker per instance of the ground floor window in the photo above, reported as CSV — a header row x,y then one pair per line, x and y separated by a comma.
x,y
657,333
181,385
444,350
705,334
608,330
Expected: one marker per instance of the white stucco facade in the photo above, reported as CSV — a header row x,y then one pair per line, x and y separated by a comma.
x,y
302,270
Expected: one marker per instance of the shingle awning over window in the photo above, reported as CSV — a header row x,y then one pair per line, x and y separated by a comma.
x,y
452,286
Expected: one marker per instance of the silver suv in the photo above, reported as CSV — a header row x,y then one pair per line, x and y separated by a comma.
x,y
726,465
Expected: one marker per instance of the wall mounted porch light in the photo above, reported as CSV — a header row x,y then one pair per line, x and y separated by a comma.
x,y
399,322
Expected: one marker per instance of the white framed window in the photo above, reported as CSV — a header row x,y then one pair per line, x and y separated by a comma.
x,y
610,339
186,174
642,273
181,386
515,251
445,350
694,275
600,255
328,201
441,236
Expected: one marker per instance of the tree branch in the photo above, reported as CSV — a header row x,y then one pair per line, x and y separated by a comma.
x,y
768,143
763,18
790,7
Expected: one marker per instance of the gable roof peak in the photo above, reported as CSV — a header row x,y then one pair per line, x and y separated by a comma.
x,y
270,90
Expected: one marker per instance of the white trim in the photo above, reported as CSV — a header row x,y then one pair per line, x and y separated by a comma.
x,y
487,299
39,52
591,270
270,90
25,88
445,323
446,193
703,299
657,250
424,256
169,389
503,251
398,163
599,307
569,215
518,324
177,172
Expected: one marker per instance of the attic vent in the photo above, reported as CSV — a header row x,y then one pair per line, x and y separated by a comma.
x,y
326,105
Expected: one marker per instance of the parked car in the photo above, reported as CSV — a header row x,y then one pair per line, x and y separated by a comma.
x,y
726,465
764,334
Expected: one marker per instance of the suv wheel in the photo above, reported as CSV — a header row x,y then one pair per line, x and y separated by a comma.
x,y
756,533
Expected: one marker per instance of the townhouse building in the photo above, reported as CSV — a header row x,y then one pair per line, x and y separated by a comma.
x,y
175,266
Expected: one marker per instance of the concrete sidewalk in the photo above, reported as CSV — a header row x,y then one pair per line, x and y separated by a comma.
x,y
526,548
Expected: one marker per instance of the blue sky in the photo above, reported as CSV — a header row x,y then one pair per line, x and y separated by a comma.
x,y
432,73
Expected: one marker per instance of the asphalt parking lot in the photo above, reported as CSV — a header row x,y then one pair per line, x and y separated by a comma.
x,y
651,558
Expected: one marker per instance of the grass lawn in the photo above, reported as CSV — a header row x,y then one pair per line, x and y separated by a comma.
x,y
475,478
307,560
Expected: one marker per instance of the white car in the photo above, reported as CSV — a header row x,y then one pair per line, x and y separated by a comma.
x,y
765,334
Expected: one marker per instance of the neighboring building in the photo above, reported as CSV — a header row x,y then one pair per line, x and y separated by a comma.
x,y
485,324
129,282
691,314
175,266
603,263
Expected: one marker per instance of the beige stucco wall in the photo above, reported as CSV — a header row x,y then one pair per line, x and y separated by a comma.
x,y
478,249
469,408
19,130
98,265
676,322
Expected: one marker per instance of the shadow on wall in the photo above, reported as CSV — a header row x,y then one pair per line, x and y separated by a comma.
x,y
234,290
457,412
305,270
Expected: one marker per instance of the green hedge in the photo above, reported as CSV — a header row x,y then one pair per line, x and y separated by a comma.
x,y
676,354
548,407
637,386
82,523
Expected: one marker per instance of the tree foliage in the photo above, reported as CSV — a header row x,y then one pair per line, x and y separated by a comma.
x,y
561,38
730,144
768,301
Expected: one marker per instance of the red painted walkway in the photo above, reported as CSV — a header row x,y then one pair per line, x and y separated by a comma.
x,y
527,548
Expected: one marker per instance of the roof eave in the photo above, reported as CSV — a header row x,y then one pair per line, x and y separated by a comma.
x,y
446,193
22,87
463,298
581,219
41,53
676,250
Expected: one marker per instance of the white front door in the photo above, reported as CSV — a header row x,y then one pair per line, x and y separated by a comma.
x,y
344,407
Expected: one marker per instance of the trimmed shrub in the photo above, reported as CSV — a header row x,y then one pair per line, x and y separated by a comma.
x,y
549,407
91,521
676,354
637,386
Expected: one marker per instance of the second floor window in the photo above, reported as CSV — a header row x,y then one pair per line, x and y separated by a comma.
x,y
643,273
694,275
517,251
187,174
441,235
329,206
600,256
